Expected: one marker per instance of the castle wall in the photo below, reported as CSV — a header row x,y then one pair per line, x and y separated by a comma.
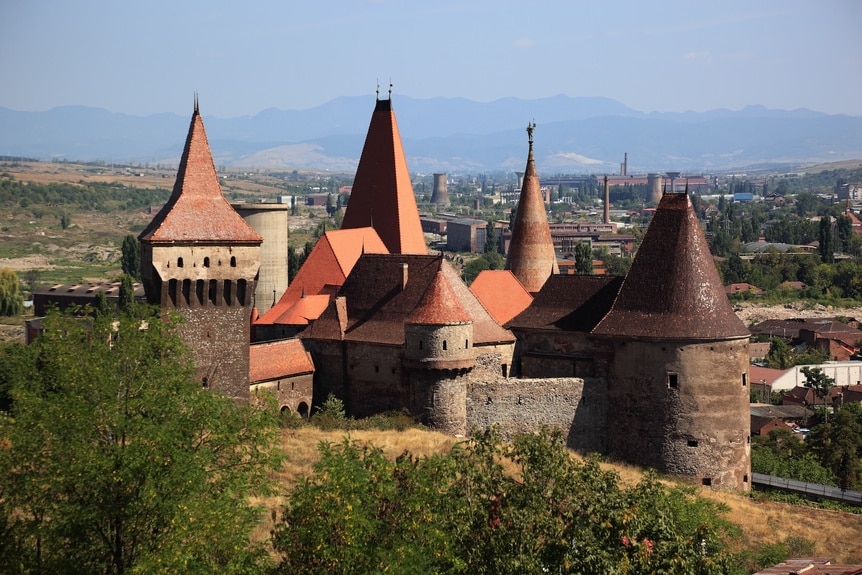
x,y
682,408
291,393
375,381
556,354
578,407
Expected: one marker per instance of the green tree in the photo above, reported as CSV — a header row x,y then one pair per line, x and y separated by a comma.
x,y
130,260
583,258
817,380
11,299
127,293
845,232
838,444
780,355
116,461
491,240
490,507
827,250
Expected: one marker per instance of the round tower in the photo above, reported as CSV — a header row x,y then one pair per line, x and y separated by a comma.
x,y
654,184
678,373
270,222
438,355
440,196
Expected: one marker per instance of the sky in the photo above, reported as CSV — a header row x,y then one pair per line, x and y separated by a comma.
x,y
152,56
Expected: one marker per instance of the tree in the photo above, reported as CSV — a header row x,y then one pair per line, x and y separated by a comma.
x,y
827,250
127,293
583,258
845,232
130,260
11,299
116,461
490,507
491,240
819,382
838,444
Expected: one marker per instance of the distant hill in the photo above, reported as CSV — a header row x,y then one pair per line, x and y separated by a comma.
x,y
574,135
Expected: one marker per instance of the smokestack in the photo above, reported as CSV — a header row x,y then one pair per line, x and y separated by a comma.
x,y
654,183
606,218
440,195
624,167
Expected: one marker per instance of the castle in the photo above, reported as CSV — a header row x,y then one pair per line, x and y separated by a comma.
x,y
650,369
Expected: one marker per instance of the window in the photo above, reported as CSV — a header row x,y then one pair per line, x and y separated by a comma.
x,y
672,380
692,442
744,380
233,261
206,262
444,345
707,481
179,262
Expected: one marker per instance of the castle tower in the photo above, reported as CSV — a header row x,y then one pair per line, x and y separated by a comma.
x,y
678,377
531,256
270,221
201,259
440,196
382,195
438,353
654,184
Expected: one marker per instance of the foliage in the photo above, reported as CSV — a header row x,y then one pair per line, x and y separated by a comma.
x,y
782,356
487,261
769,554
131,257
117,461
784,455
827,252
331,414
11,298
838,444
817,380
95,196
583,258
462,512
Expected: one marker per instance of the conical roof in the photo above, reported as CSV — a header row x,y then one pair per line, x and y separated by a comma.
x,y
382,195
531,256
673,290
439,305
197,210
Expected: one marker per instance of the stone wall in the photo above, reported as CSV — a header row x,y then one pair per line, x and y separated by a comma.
x,y
578,407
291,393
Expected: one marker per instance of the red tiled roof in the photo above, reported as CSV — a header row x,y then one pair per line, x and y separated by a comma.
x,y
304,310
382,195
531,255
673,289
197,210
375,301
767,375
439,305
275,359
501,293
326,267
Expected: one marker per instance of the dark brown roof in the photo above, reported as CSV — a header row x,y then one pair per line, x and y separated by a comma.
x,y
673,290
531,255
569,303
382,195
439,305
376,301
197,210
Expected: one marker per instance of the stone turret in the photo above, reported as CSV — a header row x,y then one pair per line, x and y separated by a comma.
x,y
382,195
438,352
678,380
531,256
200,258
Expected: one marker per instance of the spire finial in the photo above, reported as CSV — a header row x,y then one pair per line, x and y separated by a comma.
x,y
390,88
196,103
530,127
377,97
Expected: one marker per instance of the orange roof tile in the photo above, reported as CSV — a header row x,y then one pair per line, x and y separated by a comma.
x,y
197,210
305,309
439,305
382,195
531,254
326,267
501,293
275,359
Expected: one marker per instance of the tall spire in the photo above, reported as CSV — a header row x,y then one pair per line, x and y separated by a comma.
x,y
531,255
673,289
382,193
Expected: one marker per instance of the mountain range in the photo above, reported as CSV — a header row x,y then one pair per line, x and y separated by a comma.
x,y
575,135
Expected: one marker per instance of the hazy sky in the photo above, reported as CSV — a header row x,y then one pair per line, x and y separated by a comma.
x,y
243,57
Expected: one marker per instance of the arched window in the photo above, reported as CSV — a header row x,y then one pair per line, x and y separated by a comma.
x,y
444,345
179,262
233,261
206,262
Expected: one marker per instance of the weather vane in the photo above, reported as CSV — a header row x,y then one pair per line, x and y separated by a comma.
x,y
530,127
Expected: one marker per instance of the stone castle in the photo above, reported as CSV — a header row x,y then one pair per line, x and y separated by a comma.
x,y
649,369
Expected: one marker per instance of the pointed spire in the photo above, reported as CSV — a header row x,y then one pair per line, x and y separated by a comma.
x,y
197,192
382,187
673,290
531,252
439,304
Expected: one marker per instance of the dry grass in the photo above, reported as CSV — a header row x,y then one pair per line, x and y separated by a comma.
x,y
835,534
